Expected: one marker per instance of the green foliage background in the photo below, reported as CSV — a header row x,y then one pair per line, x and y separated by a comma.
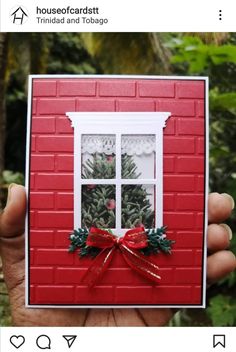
x,y
191,55
208,54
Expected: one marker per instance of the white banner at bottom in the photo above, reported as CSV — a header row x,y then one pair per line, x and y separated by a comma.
x,y
103,339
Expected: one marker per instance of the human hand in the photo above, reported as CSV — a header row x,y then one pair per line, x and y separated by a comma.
x,y
12,249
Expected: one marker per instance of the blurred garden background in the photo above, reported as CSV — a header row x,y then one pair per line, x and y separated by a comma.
x,y
207,54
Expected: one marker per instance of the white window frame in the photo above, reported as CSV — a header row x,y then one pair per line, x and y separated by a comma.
x,y
118,124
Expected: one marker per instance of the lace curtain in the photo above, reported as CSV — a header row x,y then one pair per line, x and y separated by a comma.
x,y
130,144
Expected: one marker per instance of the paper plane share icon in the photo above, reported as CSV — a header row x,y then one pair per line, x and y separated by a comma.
x,y
70,339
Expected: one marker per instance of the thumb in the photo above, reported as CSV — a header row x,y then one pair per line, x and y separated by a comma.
x,y
12,218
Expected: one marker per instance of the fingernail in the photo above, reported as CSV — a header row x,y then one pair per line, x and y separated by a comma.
x,y
9,192
228,229
229,197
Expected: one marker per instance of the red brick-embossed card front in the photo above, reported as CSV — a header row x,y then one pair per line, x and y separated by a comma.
x,y
172,188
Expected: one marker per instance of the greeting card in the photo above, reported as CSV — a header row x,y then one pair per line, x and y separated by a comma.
x,y
116,179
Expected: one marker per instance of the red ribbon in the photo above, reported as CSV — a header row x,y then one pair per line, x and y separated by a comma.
x,y
129,246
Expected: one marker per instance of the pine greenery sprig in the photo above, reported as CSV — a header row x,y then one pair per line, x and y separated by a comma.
x,y
78,241
157,242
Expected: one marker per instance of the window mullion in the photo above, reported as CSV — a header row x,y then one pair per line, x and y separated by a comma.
x,y
118,183
112,181
77,180
159,177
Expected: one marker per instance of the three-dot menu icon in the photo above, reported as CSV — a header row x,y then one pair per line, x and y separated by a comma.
x,y
220,15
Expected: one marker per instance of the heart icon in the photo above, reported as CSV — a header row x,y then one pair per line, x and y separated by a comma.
x,y
17,341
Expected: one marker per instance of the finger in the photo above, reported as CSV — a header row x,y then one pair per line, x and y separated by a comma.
x,y
220,207
218,237
100,317
156,317
127,317
13,216
219,265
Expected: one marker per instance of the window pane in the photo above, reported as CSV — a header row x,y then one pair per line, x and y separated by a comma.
x,y
98,156
138,156
138,206
98,206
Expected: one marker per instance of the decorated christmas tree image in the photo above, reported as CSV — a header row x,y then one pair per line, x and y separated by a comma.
x,y
99,201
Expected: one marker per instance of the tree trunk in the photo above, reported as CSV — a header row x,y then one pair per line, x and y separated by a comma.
x,y
161,53
3,64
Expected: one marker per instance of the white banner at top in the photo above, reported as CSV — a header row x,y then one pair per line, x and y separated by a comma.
x,y
117,16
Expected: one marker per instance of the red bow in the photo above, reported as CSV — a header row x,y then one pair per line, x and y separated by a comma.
x,y
128,245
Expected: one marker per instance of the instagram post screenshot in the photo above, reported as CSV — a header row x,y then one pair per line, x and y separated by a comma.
x,y
117,175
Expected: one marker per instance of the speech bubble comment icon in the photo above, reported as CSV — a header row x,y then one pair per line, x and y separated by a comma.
x,y
43,342
219,340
